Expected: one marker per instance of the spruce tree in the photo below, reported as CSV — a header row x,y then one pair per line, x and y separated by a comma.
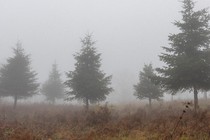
x,y
146,88
187,58
87,82
53,88
16,77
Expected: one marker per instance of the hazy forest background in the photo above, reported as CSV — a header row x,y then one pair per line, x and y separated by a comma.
x,y
124,73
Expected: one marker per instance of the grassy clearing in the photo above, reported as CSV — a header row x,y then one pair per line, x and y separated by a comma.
x,y
125,122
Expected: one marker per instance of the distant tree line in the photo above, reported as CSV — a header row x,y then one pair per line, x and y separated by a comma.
x,y
87,82
187,68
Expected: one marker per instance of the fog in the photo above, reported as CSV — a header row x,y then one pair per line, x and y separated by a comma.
x,y
128,33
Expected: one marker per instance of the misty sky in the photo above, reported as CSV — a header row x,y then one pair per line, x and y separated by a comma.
x,y
129,33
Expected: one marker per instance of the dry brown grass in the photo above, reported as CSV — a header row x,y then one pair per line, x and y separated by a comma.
x,y
126,122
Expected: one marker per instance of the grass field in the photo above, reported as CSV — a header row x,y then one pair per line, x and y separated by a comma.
x,y
171,120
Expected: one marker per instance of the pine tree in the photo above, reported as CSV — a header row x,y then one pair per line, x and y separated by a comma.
x,y
16,77
146,89
53,88
188,57
87,82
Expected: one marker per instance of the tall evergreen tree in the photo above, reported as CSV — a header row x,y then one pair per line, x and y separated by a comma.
x,y
53,88
87,82
188,57
16,77
146,89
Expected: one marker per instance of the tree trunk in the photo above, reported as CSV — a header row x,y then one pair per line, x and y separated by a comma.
x,y
195,99
87,104
15,102
150,103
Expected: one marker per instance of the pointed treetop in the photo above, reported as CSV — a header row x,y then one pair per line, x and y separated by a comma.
x,y
87,41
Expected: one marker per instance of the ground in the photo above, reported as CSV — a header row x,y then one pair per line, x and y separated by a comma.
x,y
165,121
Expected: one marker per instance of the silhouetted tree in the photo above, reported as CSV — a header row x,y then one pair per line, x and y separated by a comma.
x,y
188,57
146,89
16,77
87,82
53,88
